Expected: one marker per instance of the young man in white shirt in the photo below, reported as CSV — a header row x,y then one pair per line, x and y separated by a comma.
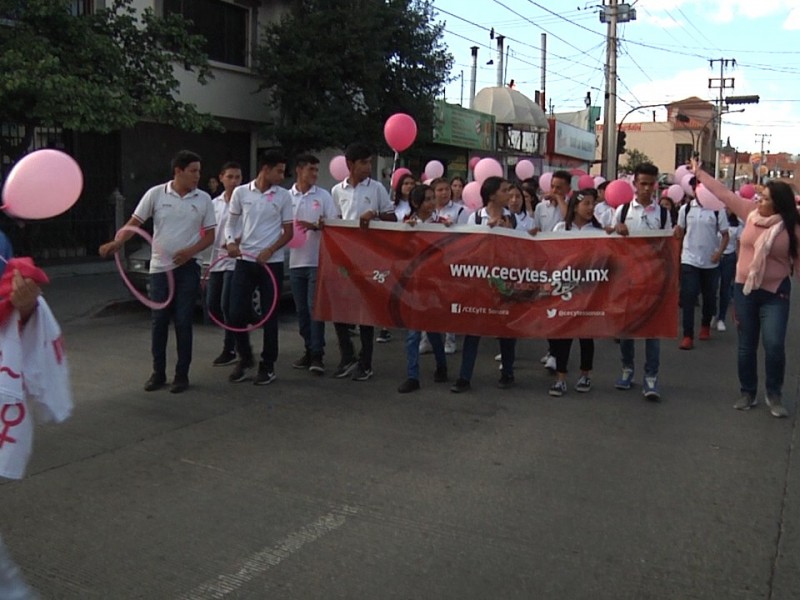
x,y
259,226
183,226
363,199
311,206
705,235
642,214
553,207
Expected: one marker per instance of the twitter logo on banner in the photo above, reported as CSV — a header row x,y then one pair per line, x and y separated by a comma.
x,y
552,312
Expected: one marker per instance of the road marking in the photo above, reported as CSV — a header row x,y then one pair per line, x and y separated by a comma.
x,y
265,559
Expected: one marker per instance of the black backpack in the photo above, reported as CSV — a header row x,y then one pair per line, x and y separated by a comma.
x,y
479,218
624,214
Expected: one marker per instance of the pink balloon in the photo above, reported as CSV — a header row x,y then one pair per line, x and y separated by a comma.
x,y
618,192
43,184
748,190
585,181
681,172
400,131
487,167
474,161
398,175
338,168
524,169
709,200
686,185
577,172
434,169
472,196
598,180
675,193
299,238
546,182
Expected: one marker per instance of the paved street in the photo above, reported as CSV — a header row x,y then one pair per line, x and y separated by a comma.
x,y
315,488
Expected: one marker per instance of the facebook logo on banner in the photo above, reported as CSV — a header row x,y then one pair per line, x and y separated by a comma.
x,y
455,308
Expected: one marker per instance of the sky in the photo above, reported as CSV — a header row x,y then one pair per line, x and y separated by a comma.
x,y
664,56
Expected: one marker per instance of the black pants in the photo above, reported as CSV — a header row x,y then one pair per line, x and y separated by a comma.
x,y
346,349
561,348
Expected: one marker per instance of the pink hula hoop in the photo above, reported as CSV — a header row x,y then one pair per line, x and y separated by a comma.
x,y
267,315
136,293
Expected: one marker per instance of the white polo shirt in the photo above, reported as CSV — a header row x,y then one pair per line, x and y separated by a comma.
x,y
455,213
352,202
524,221
259,218
316,203
218,249
643,218
178,222
700,239
483,215
587,229
546,215
604,214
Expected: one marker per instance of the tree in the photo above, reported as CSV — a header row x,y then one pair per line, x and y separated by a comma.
x,y
97,72
337,69
635,158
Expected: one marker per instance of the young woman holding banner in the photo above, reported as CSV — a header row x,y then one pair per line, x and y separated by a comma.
x,y
768,248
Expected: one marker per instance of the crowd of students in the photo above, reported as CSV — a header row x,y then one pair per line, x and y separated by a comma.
x,y
253,222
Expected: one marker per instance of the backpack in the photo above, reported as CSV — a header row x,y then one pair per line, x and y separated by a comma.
x,y
479,218
624,214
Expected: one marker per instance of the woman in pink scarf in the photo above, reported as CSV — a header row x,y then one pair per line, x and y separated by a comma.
x,y
768,249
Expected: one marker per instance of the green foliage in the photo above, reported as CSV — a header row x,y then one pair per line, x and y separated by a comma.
x,y
336,69
635,158
97,72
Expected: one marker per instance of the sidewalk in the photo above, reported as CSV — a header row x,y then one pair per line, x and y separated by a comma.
x,y
83,289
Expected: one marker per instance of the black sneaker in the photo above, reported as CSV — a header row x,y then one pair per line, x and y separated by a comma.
x,y
225,359
241,372
384,336
317,366
409,385
505,382
265,375
156,382
345,368
304,362
461,385
179,384
362,374
440,375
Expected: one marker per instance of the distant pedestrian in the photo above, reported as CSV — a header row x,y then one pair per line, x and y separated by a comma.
x,y
727,269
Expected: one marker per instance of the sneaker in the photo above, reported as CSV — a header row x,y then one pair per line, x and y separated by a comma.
x,y
265,375
354,330
304,362
584,384
425,345
384,337
156,382
362,374
461,385
687,343
550,365
625,380
241,372
179,384
440,375
224,359
450,347
409,385
542,360
558,389
713,321
650,389
505,382
317,366
498,357
705,333
745,402
721,326
776,408
345,368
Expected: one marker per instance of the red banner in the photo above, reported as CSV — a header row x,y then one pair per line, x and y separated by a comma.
x,y
499,282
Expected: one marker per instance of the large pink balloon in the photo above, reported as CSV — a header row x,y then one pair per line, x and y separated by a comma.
x,y
338,168
680,173
618,192
472,196
400,131
546,182
524,169
434,169
487,167
687,185
748,190
299,238
398,175
474,161
585,181
709,200
43,184
675,193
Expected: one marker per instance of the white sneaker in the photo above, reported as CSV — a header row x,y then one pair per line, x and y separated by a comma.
x,y
550,364
713,321
449,347
425,345
498,357
544,359
721,326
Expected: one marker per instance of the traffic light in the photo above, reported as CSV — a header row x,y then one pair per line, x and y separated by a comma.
x,y
621,142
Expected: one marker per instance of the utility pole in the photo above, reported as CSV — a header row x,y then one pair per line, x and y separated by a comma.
x,y
764,137
500,39
473,76
721,83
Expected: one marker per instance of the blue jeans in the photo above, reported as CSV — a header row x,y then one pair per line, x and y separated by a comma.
x,y
727,273
693,282
304,284
470,354
180,310
247,276
218,301
652,352
412,352
764,314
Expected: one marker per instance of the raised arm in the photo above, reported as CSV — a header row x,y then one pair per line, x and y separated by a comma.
x,y
741,207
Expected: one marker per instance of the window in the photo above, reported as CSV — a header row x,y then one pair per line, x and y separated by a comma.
x,y
224,26
683,154
78,8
